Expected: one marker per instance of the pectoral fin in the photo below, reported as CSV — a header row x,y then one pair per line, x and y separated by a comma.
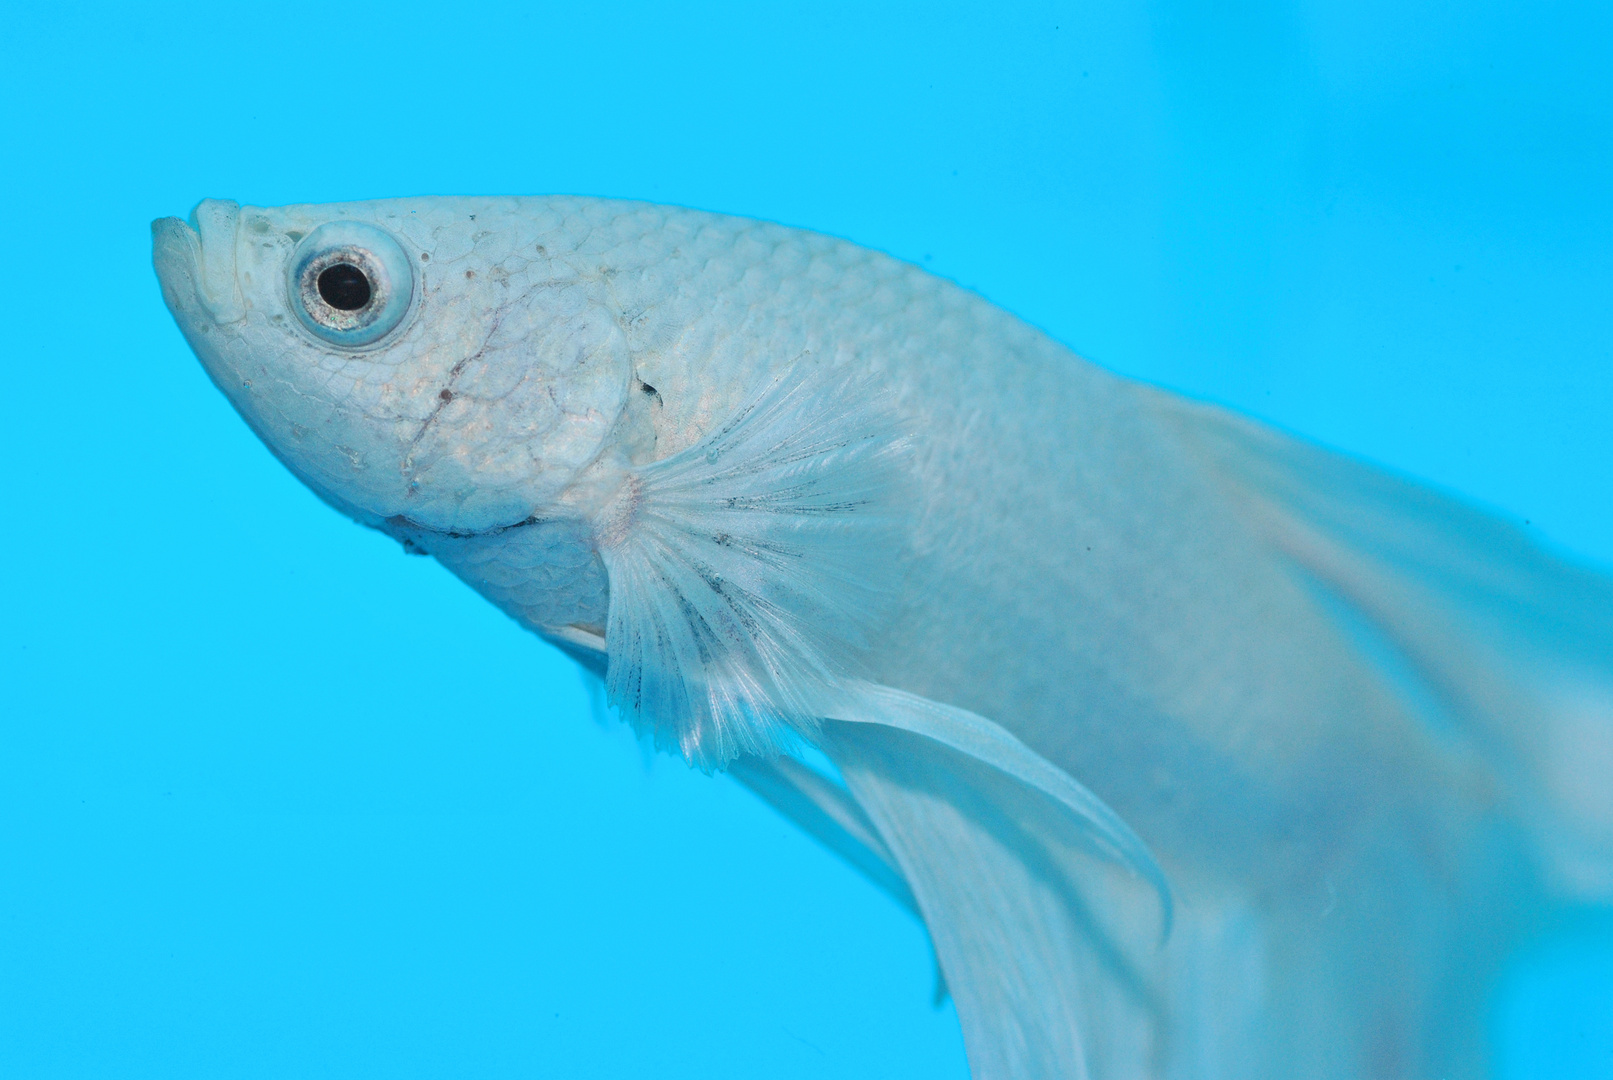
x,y
746,571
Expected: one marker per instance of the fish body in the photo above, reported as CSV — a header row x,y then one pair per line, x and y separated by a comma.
x,y
1200,750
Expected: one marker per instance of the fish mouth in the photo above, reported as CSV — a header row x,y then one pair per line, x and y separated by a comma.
x,y
408,526
195,262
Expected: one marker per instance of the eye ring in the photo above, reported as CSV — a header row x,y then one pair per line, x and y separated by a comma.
x,y
351,284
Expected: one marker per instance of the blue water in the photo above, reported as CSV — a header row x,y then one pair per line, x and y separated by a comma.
x,y
276,801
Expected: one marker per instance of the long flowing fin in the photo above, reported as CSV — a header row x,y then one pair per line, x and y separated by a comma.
x,y
1045,946
1012,863
826,812
1096,827
1049,942
1498,643
747,571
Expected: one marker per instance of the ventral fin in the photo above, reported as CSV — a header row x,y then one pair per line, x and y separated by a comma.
x,y
748,571
1093,825
1045,940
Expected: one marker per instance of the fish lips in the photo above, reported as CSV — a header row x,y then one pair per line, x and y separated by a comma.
x,y
176,251
202,253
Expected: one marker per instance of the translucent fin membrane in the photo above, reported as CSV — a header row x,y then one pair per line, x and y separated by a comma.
x,y
825,811
1099,828
1496,642
749,568
1044,947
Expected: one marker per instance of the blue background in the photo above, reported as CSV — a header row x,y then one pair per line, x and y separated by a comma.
x,y
277,801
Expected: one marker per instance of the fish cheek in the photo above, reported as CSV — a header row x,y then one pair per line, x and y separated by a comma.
x,y
519,418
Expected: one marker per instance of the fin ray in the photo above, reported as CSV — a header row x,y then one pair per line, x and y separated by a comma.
x,y
750,567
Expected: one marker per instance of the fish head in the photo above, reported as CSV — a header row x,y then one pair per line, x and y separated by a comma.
x,y
434,365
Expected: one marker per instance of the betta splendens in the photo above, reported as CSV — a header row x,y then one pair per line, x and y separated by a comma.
x,y
1201,751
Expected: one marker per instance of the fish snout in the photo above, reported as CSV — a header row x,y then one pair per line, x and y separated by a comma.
x,y
203,250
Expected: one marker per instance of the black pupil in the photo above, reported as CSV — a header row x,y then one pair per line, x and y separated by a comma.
x,y
344,287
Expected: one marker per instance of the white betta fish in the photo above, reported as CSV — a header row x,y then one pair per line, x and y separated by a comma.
x,y
1201,751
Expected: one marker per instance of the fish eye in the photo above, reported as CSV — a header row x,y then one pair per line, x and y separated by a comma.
x,y
351,284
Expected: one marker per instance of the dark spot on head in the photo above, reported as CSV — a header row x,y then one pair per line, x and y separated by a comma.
x,y
469,274
542,250
446,395
647,388
344,287
424,257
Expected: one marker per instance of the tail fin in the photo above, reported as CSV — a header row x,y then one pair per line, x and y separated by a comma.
x,y
1504,644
